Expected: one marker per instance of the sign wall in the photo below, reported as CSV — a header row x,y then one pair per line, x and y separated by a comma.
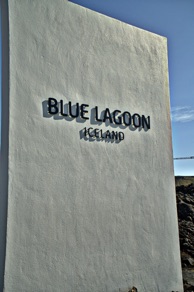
x,y
91,196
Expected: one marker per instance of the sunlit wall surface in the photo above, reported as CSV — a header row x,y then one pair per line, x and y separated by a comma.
x,y
91,197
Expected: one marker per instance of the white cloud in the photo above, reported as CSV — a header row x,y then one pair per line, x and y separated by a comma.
x,y
182,114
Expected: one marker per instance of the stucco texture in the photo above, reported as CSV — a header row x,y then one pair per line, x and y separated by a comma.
x,y
88,215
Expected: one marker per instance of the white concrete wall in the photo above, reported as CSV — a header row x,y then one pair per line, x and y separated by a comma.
x,y
88,216
4,136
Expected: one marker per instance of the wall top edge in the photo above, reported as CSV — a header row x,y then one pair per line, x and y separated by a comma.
x,y
115,19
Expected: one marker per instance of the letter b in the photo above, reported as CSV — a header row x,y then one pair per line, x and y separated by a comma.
x,y
52,106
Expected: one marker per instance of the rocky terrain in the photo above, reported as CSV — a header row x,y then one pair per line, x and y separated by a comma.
x,y
185,207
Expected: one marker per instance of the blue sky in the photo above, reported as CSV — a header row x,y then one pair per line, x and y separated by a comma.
x,y
173,19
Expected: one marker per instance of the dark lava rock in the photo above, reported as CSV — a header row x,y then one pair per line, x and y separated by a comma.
x,y
185,208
